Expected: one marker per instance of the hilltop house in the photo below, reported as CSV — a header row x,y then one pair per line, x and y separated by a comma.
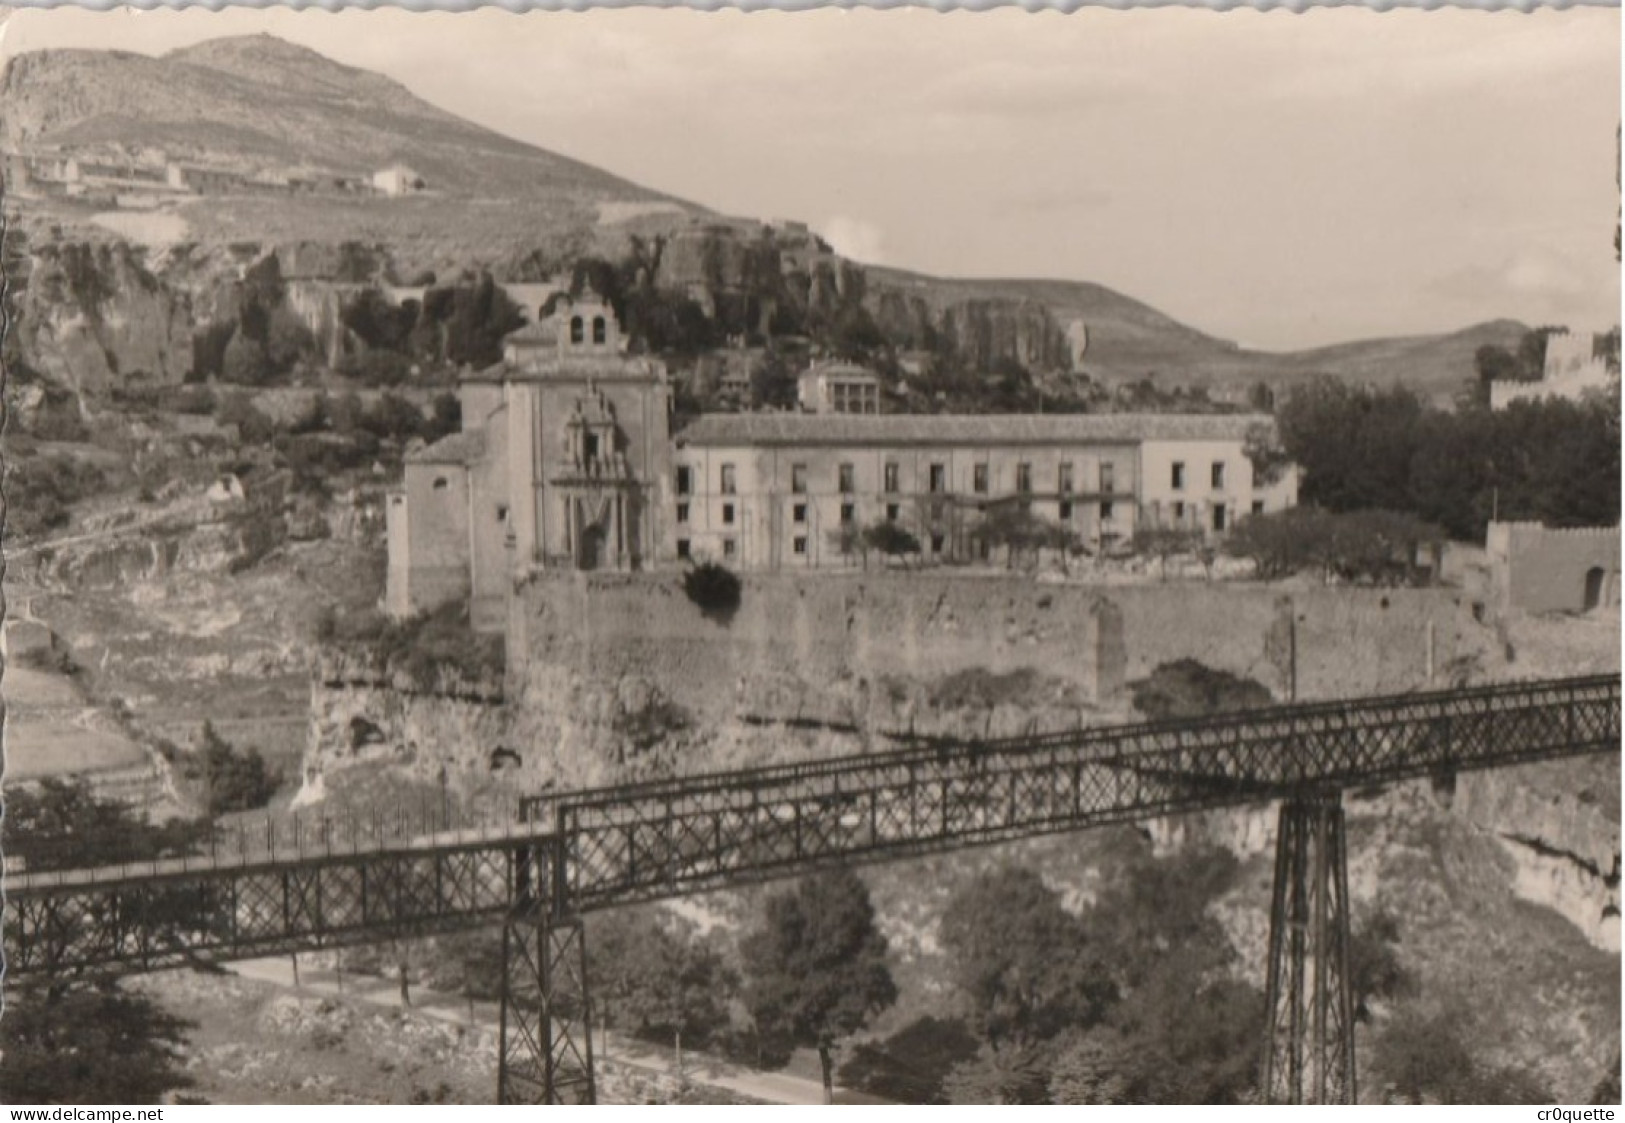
x,y
1576,364
566,460
397,179
838,388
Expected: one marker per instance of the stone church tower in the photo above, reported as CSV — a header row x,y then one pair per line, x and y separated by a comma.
x,y
562,463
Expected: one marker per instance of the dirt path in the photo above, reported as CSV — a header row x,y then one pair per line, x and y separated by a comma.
x,y
770,1087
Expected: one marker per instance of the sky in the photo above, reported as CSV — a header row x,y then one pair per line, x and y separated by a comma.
x,y
1281,180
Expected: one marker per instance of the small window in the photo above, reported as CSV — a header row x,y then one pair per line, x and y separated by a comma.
x,y
1179,511
891,479
1178,475
1024,477
441,483
939,478
397,500
1258,506
936,543
1063,478
1108,478
729,547
798,479
1218,517
799,512
685,480
502,512
683,548
682,512
728,514
1065,510
727,481
578,329
592,446
1218,475
978,481
891,512
600,330
849,513
847,479
1106,510
799,545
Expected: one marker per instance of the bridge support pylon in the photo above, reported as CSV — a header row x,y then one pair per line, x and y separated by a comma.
x,y
545,1048
1309,1036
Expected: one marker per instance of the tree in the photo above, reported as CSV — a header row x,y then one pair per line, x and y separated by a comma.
x,y
245,361
63,1040
232,780
1380,547
1374,968
912,1065
1163,542
1014,528
773,385
1020,958
1353,445
1000,1077
1423,1057
1093,1068
1170,959
816,968
88,1045
890,539
657,982
1263,449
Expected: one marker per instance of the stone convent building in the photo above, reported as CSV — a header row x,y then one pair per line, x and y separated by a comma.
x,y
567,461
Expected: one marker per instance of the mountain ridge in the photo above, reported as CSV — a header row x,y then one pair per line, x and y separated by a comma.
x,y
259,102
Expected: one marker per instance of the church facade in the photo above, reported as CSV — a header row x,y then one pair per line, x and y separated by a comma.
x,y
561,463
567,461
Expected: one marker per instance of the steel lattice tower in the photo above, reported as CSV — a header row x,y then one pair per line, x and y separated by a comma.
x,y
1309,1039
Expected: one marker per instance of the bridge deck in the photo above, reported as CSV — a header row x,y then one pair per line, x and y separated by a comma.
x,y
666,838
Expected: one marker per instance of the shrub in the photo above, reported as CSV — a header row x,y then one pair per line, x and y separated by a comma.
x,y
1186,688
1379,547
232,779
892,540
715,589
52,660
41,490
253,426
419,647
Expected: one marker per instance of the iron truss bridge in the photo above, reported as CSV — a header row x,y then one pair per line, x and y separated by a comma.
x,y
575,852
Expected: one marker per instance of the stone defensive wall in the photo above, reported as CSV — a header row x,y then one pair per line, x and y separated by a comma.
x,y
1541,569
614,677
829,629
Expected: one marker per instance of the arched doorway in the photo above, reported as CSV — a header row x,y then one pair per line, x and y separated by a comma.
x,y
1596,585
592,546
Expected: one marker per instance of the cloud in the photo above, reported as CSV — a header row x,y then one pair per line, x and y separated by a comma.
x,y
1536,284
854,238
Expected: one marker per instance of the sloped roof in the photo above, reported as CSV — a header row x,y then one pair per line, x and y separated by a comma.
x,y
459,448
544,331
734,429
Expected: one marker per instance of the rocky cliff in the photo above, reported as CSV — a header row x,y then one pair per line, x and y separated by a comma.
x,y
96,317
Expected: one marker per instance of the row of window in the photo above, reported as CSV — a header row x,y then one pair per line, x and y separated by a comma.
x,y
1216,476
981,476
849,512
1064,510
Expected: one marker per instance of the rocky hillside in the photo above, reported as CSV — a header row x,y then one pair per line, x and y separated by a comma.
x,y
293,138
1131,340
260,105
